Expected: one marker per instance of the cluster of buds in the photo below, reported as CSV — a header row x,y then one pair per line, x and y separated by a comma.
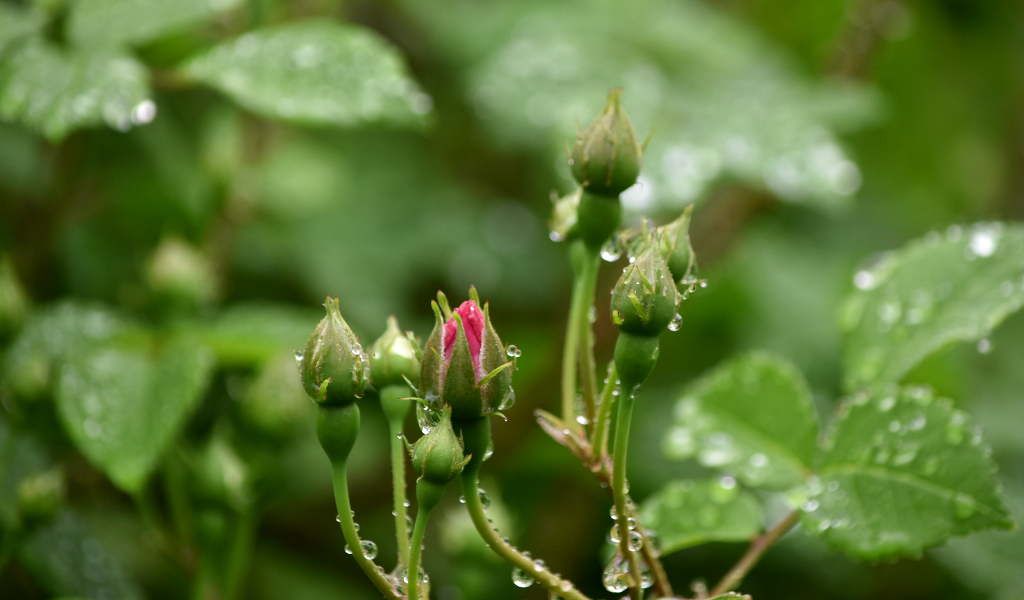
x,y
645,300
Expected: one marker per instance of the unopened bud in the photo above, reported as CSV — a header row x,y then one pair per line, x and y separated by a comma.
x,y
644,299
40,496
335,370
394,357
606,157
438,456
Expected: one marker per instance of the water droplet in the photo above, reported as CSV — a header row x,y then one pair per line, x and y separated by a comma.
x,y
337,518
864,280
758,460
614,514
635,391
540,564
984,241
592,315
357,349
886,404
965,506
631,523
520,578
510,399
636,541
369,549
582,420
824,525
143,112
513,351
298,356
485,500
727,482
984,346
348,550
810,506
612,249
565,586
676,323
427,419
611,577
613,534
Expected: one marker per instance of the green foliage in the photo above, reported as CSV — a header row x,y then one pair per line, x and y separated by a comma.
x,y
69,561
937,290
902,471
54,91
123,407
687,513
315,72
752,417
116,22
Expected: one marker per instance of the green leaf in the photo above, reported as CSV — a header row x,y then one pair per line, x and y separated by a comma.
x,y
314,72
902,471
935,291
51,336
116,22
55,91
123,408
66,560
249,334
17,23
751,417
687,513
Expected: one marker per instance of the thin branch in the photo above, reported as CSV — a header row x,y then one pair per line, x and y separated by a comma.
x,y
758,547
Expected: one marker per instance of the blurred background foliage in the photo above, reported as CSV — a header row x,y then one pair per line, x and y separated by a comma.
x,y
181,183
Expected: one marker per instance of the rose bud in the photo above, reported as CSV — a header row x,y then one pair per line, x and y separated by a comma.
x,y
334,368
606,157
563,215
40,496
438,455
672,242
464,364
644,299
394,357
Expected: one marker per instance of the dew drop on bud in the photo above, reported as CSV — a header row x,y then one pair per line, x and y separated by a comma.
x,y
513,352
612,249
676,322
298,356
357,349
520,578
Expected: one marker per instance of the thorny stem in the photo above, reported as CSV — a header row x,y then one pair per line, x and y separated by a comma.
x,y
398,478
418,530
348,528
588,375
604,409
757,548
476,434
619,489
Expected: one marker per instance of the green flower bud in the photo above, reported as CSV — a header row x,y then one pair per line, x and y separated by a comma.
x,y
40,496
644,299
438,456
606,158
394,357
13,300
219,476
274,403
182,274
465,365
674,245
563,215
334,368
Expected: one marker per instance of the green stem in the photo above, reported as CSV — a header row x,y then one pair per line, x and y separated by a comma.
x,y
588,374
240,553
625,416
388,396
757,548
476,434
348,529
569,360
418,529
604,411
